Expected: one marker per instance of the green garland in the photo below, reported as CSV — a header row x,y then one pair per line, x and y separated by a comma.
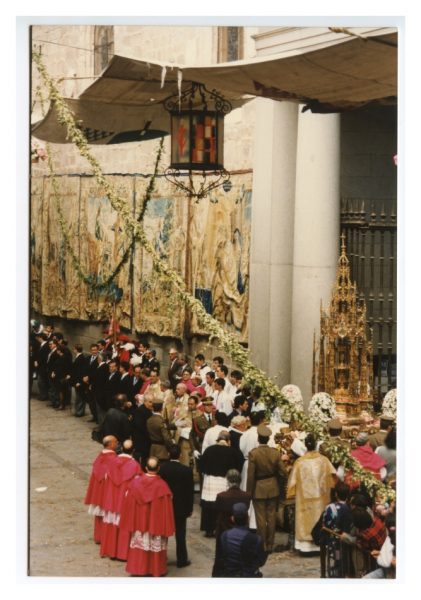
x,y
271,394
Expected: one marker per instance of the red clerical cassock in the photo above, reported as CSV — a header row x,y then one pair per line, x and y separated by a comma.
x,y
97,483
114,541
147,513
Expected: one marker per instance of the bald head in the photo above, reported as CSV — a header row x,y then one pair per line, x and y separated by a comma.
x,y
152,464
110,442
128,447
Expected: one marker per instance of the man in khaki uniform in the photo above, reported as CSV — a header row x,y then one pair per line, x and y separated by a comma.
x,y
159,435
265,468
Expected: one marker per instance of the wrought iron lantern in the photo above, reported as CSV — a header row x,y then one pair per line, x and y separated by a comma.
x,y
197,140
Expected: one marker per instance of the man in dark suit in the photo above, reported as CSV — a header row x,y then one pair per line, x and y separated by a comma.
x,y
153,362
98,385
41,366
137,381
180,480
112,385
265,469
173,368
116,421
141,439
79,371
126,383
92,365
223,508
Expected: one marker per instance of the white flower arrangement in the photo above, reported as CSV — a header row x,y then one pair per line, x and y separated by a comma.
x,y
322,407
389,405
295,401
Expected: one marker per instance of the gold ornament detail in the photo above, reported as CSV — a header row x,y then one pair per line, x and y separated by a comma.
x,y
345,350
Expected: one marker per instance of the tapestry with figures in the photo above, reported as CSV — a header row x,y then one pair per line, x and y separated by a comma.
x,y
206,243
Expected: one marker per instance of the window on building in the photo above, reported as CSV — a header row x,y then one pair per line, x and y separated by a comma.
x,y
103,47
230,43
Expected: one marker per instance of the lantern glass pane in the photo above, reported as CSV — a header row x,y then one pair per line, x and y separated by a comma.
x,y
180,139
204,140
220,138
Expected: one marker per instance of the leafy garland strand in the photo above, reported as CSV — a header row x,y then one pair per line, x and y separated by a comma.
x,y
271,394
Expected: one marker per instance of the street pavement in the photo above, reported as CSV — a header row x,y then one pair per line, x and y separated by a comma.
x,y
60,529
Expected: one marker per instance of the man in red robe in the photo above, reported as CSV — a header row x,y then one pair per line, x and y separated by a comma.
x,y
147,513
367,458
114,541
97,483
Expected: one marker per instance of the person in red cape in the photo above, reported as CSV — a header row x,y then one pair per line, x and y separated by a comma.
x,y
97,483
114,541
147,513
367,458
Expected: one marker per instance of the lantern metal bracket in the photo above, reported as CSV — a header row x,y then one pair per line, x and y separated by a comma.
x,y
188,100
200,186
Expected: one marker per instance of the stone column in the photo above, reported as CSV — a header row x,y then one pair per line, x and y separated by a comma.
x,y
316,235
272,236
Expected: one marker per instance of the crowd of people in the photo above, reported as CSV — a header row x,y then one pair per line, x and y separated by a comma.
x,y
168,433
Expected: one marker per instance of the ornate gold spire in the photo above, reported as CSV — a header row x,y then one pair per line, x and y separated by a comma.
x,y
345,352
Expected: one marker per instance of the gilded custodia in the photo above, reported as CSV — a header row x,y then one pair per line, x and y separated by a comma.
x,y
345,361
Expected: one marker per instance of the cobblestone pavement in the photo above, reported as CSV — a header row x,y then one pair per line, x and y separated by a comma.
x,y
60,529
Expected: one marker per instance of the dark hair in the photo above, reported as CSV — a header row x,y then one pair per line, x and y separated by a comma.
x,y
255,418
93,346
256,392
79,347
241,520
114,361
146,371
200,357
188,370
211,374
220,381
262,439
360,500
310,442
218,359
237,374
342,490
385,423
157,406
224,369
222,419
390,439
238,400
125,365
361,518
174,451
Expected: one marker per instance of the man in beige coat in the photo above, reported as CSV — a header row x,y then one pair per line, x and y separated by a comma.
x,y
265,469
159,435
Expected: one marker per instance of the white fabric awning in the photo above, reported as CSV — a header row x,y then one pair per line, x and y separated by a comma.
x,y
126,102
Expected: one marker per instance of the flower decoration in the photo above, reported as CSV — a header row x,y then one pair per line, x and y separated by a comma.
x,y
322,408
38,153
389,405
295,400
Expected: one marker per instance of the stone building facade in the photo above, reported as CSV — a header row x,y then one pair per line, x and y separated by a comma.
x,y
305,168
